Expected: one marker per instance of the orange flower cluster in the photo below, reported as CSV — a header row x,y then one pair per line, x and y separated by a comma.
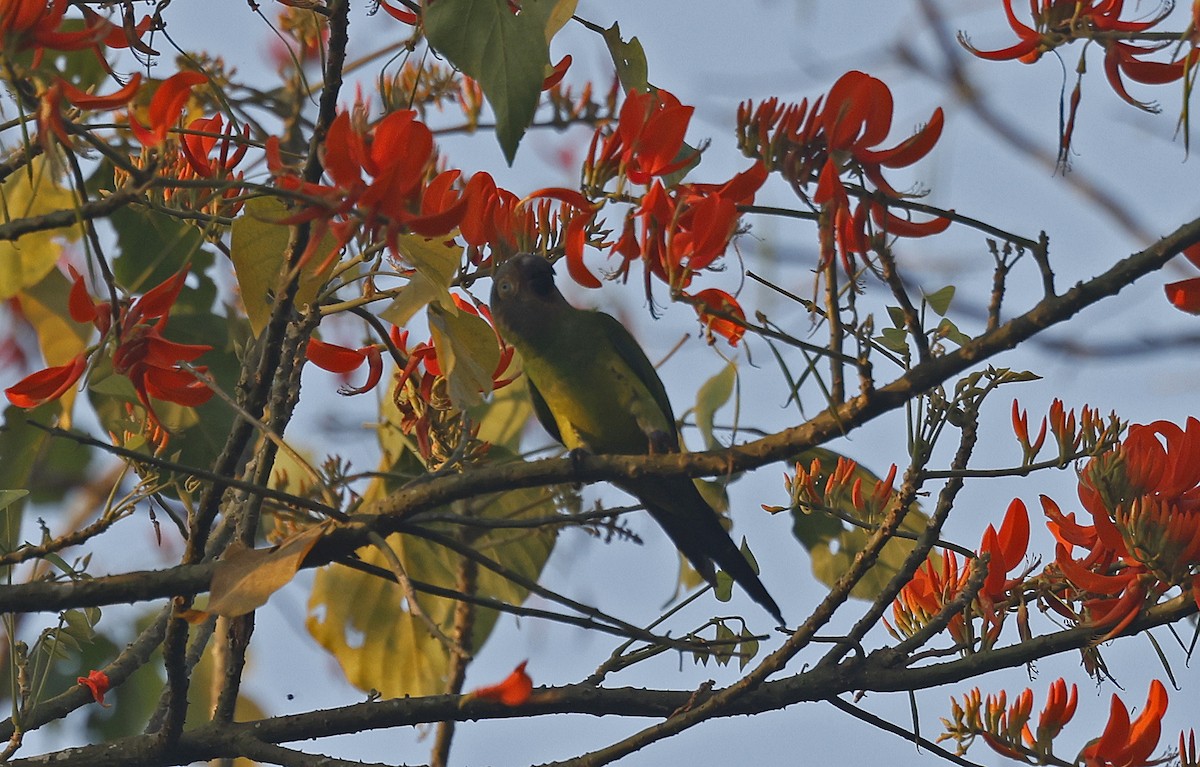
x,y
675,230
1005,728
384,182
932,589
38,25
42,26
839,137
1059,22
140,353
842,488
1144,501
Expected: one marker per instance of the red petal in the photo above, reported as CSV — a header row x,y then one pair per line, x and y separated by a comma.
x,y
169,99
1014,534
1147,728
80,304
175,385
45,385
91,101
374,371
334,358
343,168
560,70
97,682
903,227
513,691
713,299
571,197
1185,295
157,301
910,150
576,239
407,17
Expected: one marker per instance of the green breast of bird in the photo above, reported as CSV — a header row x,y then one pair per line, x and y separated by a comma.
x,y
598,404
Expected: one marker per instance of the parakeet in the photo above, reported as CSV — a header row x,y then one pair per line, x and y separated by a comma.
x,y
593,388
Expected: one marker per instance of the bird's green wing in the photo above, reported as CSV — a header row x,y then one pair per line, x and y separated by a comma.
x,y
542,411
633,356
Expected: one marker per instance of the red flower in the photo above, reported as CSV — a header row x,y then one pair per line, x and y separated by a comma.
x,y
686,228
1059,710
513,691
931,590
838,137
36,24
1057,22
1125,743
1060,22
1144,502
171,96
97,682
50,119
711,304
646,142
142,354
1006,549
381,175
1020,423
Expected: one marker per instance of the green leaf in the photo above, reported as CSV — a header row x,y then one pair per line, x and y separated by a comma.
x,y
896,314
257,245
9,497
154,246
724,588
723,652
895,339
747,649
507,53
559,16
712,394
939,300
30,459
629,59
948,330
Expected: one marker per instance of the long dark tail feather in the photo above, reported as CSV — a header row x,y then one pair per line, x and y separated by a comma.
x,y
693,526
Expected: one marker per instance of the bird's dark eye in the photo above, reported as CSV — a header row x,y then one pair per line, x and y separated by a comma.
x,y
504,287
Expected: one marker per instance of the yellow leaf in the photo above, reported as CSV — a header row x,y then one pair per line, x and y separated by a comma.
x,y
246,578
24,262
257,245
506,416
61,338
364,621
467,354
559,16
436,263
